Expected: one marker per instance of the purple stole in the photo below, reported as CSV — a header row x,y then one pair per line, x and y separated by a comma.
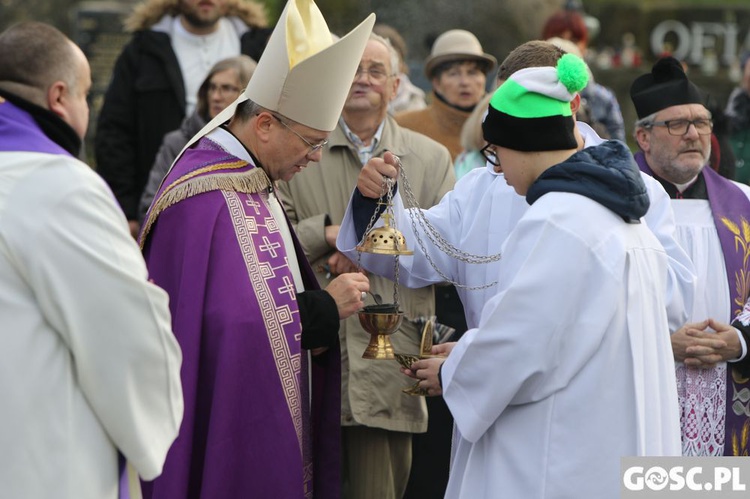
x,y
729,207
20,132
251,427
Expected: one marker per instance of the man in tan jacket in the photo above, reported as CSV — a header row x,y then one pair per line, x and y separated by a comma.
x,y
377,419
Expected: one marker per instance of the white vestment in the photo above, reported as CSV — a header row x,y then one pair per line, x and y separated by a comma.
x,y
477,217
88,362
703,391
559,380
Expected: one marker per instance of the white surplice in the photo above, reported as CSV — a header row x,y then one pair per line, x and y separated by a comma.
x,y
703,391
477,217
88,362
558,381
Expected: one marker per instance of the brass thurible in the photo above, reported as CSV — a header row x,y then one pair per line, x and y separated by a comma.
x,y
383,319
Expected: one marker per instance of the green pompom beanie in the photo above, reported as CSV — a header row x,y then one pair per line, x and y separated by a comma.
x,y
531,110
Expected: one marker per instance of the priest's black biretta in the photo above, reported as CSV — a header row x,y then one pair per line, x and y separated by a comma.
x,y
665,86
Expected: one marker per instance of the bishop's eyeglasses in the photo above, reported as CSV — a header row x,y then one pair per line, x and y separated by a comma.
x,y
313,147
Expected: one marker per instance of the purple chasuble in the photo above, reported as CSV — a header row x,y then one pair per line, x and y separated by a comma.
x,y
250,429
20,132
729,205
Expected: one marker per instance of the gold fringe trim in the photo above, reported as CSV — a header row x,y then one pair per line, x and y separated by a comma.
x,y
250,182
232,165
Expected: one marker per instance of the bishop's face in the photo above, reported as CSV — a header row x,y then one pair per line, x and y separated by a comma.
x,y
292,147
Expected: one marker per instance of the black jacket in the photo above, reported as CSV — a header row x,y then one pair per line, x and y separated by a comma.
x,y
144,101
606,174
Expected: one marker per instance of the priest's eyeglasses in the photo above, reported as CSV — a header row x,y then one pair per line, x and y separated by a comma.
x,y
489,154
313,147
680,127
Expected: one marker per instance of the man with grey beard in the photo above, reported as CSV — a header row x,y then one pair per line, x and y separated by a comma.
x,y
712,217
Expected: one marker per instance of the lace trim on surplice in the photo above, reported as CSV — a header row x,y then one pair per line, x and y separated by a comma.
x,y
702,394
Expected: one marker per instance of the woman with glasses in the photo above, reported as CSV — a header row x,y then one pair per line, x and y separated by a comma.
x,y
457,68
221,87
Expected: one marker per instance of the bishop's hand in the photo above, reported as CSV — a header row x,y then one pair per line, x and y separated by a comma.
x,y
349,291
